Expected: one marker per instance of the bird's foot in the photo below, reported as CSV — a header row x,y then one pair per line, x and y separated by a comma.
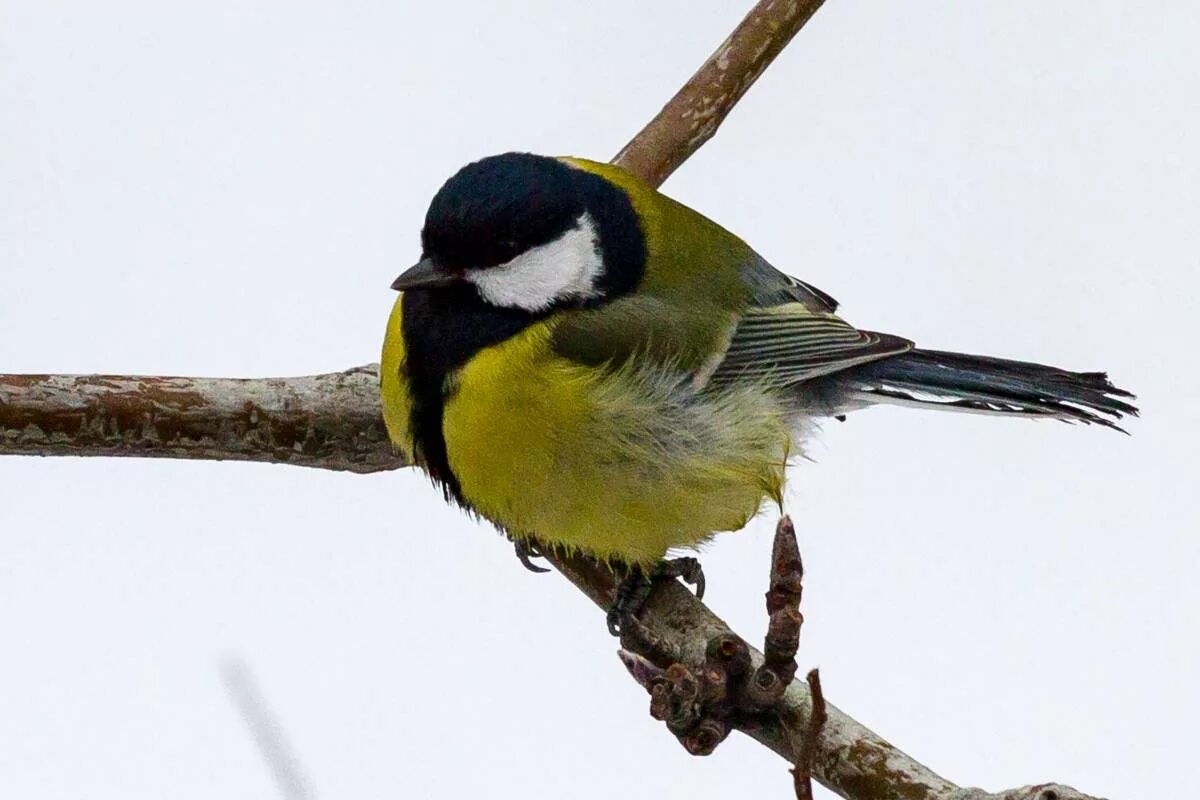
x,y
635,588
527,550
686,567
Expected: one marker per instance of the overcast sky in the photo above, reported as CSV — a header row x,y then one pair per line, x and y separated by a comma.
x,y
226,188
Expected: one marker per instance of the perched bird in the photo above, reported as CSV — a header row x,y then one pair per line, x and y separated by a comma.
x,y
594,366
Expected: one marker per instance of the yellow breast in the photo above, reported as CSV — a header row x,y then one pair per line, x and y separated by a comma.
x,y
620,464
393,388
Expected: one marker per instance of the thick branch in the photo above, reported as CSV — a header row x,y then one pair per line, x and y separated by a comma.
x,y
333,422
328,421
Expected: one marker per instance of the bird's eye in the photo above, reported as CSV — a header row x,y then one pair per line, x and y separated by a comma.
x,y
506,250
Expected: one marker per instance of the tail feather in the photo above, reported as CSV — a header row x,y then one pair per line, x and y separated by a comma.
x,y
957,381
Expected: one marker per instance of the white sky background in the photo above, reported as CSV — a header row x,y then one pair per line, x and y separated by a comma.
x,y
228,188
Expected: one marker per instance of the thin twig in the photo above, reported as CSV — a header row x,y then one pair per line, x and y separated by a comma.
x,y
802,772
266,730
693,115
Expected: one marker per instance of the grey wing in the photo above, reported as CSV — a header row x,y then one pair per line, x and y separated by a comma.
x,y
770,287
791,343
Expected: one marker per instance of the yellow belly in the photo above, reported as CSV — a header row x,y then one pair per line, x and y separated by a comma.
x,y
619,464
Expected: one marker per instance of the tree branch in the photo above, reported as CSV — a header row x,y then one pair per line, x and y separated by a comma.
x,y
851,760
693,115
327,421
333,422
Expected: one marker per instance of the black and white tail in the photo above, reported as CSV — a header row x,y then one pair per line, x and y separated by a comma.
x,y
956,381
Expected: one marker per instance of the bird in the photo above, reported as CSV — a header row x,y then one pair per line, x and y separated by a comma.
x,y
595,367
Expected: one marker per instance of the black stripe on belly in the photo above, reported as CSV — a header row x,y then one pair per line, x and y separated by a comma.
x,y
443,329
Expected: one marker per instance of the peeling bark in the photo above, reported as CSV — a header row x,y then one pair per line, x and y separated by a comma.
x,y
1042,791
328,421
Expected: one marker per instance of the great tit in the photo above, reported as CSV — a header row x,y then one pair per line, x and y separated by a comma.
x,y
593,366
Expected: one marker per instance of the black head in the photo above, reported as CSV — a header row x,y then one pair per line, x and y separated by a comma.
x,y
492,210
507,241
530,232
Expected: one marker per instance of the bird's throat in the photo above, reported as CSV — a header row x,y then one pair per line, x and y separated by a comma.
x,y
443,329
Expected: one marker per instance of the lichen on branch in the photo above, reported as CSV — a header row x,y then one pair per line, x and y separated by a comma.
x,y
328,421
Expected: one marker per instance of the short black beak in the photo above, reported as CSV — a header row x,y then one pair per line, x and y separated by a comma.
x,y
424,275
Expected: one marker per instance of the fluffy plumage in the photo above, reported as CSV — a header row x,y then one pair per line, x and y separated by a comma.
x,y
597,366
622,463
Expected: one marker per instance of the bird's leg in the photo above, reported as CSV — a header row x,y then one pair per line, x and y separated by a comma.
x,y
635,587
632,592
526,550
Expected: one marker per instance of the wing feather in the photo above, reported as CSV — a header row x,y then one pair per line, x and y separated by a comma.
x,y
793,342
770,287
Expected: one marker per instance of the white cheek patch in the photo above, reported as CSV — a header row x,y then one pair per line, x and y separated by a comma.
x,y
566,268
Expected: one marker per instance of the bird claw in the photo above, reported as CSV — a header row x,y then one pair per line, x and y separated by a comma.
x,y
687,568
526,551
634,589
632,592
